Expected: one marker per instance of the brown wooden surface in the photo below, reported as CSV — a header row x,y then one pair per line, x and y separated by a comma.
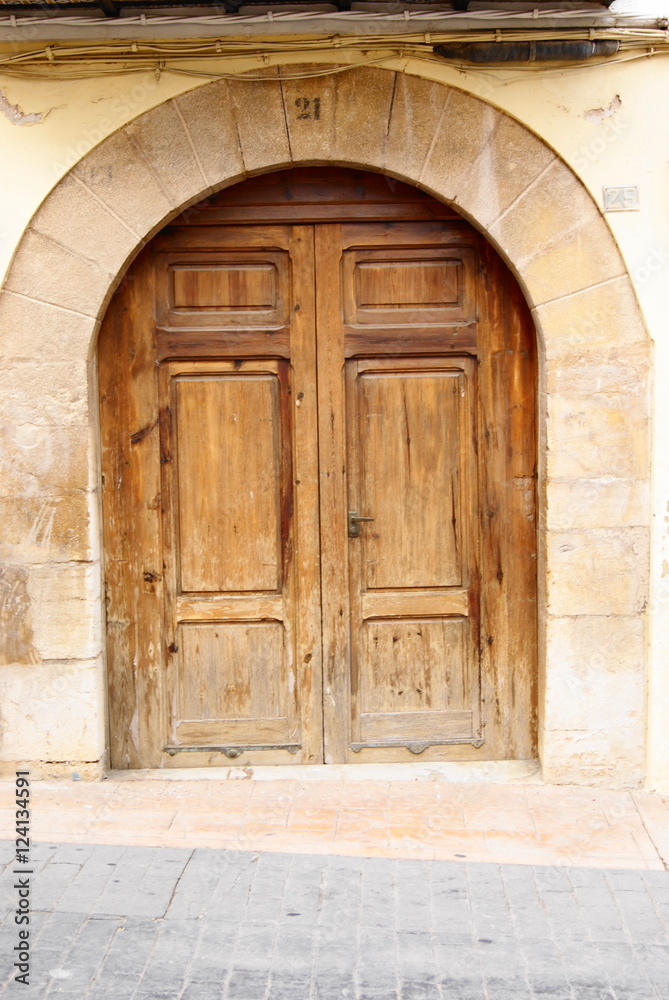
x,y
303,370
326,194
131,520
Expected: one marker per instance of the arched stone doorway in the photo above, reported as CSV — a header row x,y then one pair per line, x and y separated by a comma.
x,y
593,573
301,354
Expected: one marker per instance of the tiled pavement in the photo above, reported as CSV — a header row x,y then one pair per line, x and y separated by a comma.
x,y
334,889
115,923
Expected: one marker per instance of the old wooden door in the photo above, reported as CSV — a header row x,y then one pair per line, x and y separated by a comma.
x,y
318,485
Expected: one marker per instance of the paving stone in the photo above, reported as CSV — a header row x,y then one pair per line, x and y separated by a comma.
x,y
223,925
202,991
246,986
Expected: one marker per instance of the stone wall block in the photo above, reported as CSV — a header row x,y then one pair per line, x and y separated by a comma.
x,y
600,682
586,757
39,459
52,711
65,605
72,217
56,393
417,108
591,375
511,159
30,330
362,115
261,123
465,128
309,109
210,123
45,529
597,321
599,571
584,257
596,503
45,271
119,175
596,436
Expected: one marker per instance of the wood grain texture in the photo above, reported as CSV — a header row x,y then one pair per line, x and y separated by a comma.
x,y
296,371
413,466
227,493
131,521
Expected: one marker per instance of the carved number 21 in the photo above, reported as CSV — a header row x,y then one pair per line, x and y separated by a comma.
x,y
305,103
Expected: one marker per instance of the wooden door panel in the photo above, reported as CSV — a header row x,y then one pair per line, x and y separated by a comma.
x,y
401,299
225,662
232,677
402,287
411,478
232,684
242,289
412,467
227,494
414,666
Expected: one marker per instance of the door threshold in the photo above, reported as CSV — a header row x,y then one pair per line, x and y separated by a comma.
x,y
473,772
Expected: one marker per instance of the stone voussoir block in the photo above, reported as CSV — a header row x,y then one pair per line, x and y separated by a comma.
x,y
76,220
598,320
260,120
509,162
164,142
550,208
209,120
117,173
39,331
464,129
583,257
309,109
415,113
362,115
45,271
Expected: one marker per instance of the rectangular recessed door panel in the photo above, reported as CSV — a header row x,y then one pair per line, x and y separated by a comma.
x,y
228,493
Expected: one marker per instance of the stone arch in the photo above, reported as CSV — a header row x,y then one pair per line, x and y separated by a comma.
x,y
515,189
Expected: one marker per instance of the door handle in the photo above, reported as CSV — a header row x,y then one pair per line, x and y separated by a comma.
x,y
353,525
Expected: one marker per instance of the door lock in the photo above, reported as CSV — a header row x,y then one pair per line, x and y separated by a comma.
x,y
353,526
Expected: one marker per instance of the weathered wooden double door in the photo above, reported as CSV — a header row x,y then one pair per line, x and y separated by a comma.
x,y
318,467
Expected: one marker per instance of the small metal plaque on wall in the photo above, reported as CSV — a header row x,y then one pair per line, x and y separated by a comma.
x,y
621,199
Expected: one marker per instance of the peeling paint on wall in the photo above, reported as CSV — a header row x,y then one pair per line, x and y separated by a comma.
x,y
599,114
17,117
16,634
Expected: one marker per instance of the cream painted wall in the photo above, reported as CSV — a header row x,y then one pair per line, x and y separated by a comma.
x,y
602,120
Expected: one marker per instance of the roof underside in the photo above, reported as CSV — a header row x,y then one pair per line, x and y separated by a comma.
x,y
115,8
